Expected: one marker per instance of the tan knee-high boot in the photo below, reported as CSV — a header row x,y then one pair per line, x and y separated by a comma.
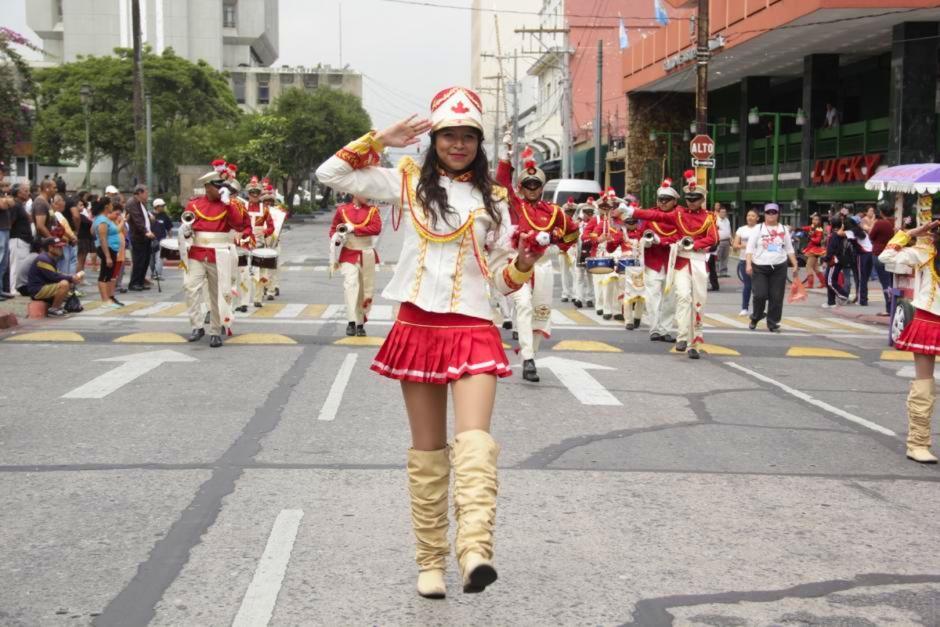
x,y
428,483
475,489
920,403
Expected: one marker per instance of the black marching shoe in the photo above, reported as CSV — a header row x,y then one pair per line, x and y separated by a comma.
x,y
609,316
681,346
693,353
619,317
656,337
196,335
258,303
589,303
630,326
564,299
507,324
577,303
351,329
529,373
270,296
669,339
206,319
277,291
636,322
600,312
215,341
360,330
242,308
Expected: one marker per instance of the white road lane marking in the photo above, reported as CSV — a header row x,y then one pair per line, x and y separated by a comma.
x,y
152,309
573,374
136,365
813,401
334,312
335,397
728,320
854,325
291,310
561,319
258,603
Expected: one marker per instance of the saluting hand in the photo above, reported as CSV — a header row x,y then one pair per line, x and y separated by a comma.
x,y
923,229
404,133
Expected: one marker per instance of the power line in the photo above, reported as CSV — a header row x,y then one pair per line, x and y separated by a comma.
x,y
518,12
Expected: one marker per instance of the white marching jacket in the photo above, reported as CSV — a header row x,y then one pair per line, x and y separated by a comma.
x,y
920,257
439,269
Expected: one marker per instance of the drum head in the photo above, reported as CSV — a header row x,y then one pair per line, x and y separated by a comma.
x,y
264,253
170,244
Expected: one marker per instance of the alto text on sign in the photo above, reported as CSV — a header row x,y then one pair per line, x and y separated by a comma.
x,y
702,147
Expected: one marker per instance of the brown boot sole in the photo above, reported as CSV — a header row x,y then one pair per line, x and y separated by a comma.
x,y
479,578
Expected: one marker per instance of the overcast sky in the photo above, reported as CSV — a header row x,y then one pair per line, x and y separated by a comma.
x,y
406,53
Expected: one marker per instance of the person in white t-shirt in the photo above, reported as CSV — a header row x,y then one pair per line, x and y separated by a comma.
x,y
741,238
724,238
768,250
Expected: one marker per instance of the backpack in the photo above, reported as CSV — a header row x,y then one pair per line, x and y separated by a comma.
x,y
73,304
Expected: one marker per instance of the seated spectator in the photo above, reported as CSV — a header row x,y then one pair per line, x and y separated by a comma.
x,y
44,282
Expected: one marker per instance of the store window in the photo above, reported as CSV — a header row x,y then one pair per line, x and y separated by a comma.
x,y
336,80
311,81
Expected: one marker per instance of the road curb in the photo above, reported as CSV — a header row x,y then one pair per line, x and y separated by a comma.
x,y
7,319
862,317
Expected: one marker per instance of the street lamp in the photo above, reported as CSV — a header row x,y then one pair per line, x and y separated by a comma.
x,y
84,95
753,117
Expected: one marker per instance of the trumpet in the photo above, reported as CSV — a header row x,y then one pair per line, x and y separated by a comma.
x,y
650,238
686,243
343,229
186,219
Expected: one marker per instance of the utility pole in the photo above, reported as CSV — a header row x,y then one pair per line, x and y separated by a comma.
x,y
497,136
149,124
515,112
138,79
701,91
598,113
565,53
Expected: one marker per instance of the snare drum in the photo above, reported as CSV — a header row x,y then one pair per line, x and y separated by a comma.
x,y
264,258
170,249
242,257
599,265
623,264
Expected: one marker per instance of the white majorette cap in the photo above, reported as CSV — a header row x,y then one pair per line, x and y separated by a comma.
x,y
666,189
456,106
692,188
110,189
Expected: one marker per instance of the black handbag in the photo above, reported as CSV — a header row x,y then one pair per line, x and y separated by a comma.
x,y
73,304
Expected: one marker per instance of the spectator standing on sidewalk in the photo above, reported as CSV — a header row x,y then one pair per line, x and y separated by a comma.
x,y
840,255
162,226
109,242
138,219
724,238
863,258
68,213
768,251
21,231
86,241
741,237
881,233
7,206
42,209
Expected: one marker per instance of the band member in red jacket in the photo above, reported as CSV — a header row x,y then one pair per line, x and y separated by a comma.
x,y
533,302
355,226
208,254
687,271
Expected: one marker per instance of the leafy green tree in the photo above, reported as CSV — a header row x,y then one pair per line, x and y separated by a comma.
x,y
17,91
185,97
315,125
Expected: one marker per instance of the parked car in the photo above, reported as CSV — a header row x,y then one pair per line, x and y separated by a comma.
x,y
559,191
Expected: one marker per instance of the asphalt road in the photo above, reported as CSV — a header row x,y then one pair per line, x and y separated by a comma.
x,y
147,480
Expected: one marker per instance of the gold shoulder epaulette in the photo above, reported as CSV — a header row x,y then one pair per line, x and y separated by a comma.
x,y
500,193
407,164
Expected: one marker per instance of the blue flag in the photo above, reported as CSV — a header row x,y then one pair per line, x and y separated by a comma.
x,y
624,41
661,16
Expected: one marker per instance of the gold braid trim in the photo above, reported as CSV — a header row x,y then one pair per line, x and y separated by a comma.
x,y
368,219
707,223
518,276
499,193
419,273
458,273
900,240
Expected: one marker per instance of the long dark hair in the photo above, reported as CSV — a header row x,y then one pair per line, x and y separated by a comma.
x,y
433,197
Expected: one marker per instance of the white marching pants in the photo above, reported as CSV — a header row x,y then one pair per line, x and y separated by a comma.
x,y
358,287
198,277
598,289
633,294
534,310
567,269
244,286
660,307
691,287
260,282
583,284
611,288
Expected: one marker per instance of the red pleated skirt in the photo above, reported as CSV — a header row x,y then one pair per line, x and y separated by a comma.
x,y
818,251
922,335
426,347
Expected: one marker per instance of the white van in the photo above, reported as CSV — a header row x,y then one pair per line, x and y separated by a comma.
x,y
559,191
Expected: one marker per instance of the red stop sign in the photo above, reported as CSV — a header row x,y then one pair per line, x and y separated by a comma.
x,y
702,147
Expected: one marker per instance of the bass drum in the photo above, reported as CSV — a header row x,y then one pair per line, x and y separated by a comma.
x,y
599,265
170,249
264,258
